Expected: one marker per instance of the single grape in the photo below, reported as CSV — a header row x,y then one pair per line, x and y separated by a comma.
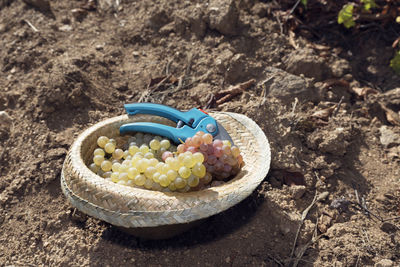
x,y
235,151
156,177
198,157
219,165
123,176
199,170
188,142
181,148
217,143
139,180
193,181
210,168
180,182
196,141
115,161
232,161
149,172
185,189
189,161
132,172
159,166
184,172
210,150
172,187
94,168
165,143
148,184
118,153
165,168
207,178
149,155
144,149
155,144
98,160
102,141
133,150
135,160
203,147
107,174
218,152
164,182
226,149
142,165
205,155
112,141
227,168
153,162
109,148
156,187
100,172
147,138
106,165
224,158
115,177
207,139
173,164
99,151
171,174
200,133
211,159
226,143
181,157
166,154
126,154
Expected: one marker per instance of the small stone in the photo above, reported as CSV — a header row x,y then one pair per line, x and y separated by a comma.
x,y
384,263
99,47
5,121
65,28
259,9
297,191
388,137
135,54
304,61
223,16
388,227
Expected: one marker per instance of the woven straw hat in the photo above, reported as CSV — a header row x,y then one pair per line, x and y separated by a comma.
x,y
152,211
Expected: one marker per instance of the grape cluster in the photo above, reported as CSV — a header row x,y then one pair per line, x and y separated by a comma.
x,y
154,163
221,159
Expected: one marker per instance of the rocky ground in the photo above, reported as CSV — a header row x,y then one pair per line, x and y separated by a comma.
x,y
329,107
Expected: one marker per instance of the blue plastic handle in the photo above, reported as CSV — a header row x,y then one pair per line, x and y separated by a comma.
x,y
191,117
174,134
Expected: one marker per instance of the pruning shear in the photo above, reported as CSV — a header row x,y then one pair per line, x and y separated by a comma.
x,y
188,123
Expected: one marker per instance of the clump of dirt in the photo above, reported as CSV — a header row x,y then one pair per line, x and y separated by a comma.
x,y
330,112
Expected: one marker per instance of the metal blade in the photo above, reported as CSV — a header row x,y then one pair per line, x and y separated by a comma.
x,y
223,134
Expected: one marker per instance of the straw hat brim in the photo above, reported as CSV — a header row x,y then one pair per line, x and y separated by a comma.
x,y
133,207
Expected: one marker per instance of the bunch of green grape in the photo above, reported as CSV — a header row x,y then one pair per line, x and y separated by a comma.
x,y
151,162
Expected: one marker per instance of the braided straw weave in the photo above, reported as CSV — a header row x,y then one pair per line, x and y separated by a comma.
x,y
130,207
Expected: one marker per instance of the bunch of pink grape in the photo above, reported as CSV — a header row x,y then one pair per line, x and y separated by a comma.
x,y
221,159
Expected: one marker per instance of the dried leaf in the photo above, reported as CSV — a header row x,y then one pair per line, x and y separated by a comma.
x,y
292,41
226,95
391,116
364,91
324,113
336,82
